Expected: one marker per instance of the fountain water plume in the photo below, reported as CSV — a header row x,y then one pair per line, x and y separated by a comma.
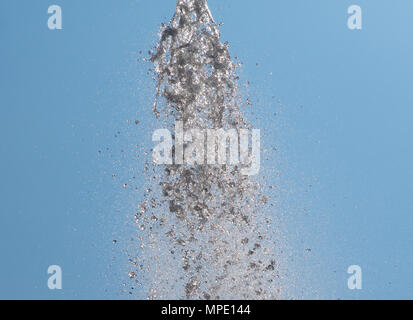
x,y
205,233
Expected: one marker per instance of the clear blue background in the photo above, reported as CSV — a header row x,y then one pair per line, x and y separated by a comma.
x,y
342,127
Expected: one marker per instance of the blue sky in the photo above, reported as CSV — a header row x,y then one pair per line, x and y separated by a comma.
x,y
342,128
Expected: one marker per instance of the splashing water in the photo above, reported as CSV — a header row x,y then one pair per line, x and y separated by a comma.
x,y
204,233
